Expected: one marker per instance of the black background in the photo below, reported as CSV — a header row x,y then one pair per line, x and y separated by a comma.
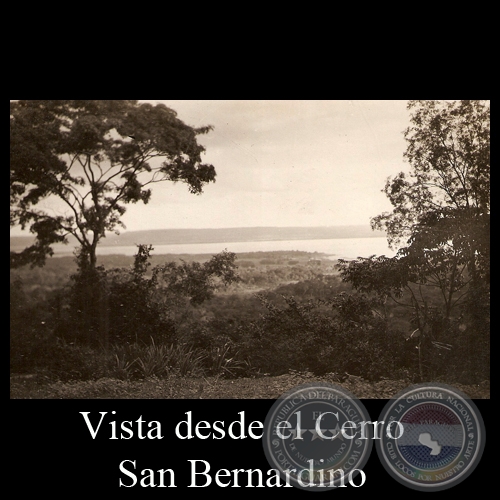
x,y
52,450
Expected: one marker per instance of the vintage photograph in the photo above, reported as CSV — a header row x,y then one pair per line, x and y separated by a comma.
x,y
220,249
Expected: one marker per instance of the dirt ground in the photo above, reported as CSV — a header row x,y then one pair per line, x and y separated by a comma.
x,y
35,387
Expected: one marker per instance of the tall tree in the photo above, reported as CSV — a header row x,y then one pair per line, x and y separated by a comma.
x,y
444,202
440,221
95,156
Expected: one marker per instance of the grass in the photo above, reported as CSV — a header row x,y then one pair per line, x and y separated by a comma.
x,y
177,387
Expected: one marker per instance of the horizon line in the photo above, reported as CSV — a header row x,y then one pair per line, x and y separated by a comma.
x,y
125,231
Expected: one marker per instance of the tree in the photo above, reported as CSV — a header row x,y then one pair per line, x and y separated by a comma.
x,y
444,204
95,157
440,221
134,305
443,208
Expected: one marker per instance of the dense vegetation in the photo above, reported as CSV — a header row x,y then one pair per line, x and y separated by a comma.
x,y
288,312
420,315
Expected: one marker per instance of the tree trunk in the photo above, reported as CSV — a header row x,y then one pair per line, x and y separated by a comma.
x,y
93,251
103,312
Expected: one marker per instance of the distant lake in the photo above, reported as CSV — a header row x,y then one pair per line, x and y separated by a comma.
x,y
336,248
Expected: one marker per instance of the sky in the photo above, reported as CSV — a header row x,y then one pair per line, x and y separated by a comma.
x,y
283,163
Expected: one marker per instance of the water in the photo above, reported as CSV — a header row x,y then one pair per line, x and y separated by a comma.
x,y
345,248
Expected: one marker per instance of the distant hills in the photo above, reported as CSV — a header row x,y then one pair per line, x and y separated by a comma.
x,y
222,235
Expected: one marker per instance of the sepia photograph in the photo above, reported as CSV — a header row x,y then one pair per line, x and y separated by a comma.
x,y
236,249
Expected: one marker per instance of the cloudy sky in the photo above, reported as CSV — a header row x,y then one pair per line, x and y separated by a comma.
x,y
284,163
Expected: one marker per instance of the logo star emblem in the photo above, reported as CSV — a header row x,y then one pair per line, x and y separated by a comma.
x,y
323,436
297,434
336,433
316,435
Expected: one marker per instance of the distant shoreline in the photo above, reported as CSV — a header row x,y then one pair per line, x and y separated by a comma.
x,y
334,248
220,235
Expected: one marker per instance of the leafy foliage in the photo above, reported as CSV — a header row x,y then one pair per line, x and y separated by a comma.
x,y
127,305
448,148
341,335
441,221
423,314
95,157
